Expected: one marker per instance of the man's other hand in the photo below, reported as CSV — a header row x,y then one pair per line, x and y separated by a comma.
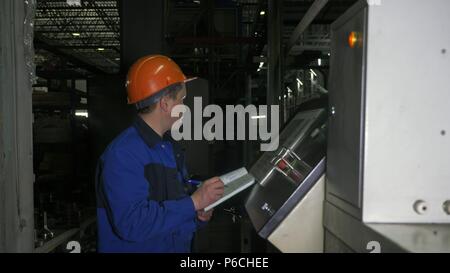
x,y
204,215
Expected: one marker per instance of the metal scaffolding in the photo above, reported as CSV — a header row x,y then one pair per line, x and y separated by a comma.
x,y
89,33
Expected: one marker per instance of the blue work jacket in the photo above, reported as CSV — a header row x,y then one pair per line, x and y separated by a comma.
x,y
143,202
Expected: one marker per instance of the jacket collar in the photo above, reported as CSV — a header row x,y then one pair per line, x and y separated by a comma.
x,y
150,137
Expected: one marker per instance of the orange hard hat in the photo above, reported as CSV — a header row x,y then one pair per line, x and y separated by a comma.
x,y
149,75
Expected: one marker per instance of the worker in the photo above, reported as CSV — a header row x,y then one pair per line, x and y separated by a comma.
x,y
143,204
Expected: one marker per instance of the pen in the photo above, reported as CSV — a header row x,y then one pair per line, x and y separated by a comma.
x,y
194,182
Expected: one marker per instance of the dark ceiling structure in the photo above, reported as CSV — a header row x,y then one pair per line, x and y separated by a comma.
x,y
85,39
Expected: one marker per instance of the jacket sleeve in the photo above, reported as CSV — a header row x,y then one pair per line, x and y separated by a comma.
x,y
199,224
134,217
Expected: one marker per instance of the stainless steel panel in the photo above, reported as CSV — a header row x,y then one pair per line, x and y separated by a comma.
x,y
346,103
353,233
361,237
407,134
334,245
420,238
286,175
294,133
404,117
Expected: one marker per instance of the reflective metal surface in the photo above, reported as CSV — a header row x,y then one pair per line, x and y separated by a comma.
x,y
285,175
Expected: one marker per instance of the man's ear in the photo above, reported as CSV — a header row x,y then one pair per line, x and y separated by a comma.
x,y
163,103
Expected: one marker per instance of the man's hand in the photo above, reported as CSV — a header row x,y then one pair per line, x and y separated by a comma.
x,y
209,192
204,215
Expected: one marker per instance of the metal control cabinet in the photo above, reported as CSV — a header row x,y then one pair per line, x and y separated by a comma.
x,y
345,141
389,133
